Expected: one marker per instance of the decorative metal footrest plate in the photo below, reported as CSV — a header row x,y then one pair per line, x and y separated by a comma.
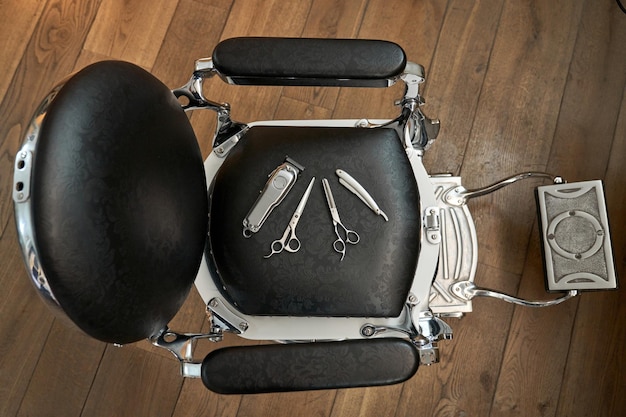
x,y
575,237
458,257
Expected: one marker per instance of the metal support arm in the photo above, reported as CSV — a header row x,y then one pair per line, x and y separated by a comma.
x,y
466,290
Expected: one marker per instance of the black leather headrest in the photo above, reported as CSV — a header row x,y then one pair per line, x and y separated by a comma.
x,y
119,202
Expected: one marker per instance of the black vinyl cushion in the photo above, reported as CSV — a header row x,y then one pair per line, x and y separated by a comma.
x,y
376,274
306,61
119,202
309,366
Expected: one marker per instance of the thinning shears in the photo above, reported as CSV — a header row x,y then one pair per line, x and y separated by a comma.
x,y
290,241
347,235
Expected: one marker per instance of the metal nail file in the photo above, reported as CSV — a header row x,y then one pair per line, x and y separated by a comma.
x,y
353,185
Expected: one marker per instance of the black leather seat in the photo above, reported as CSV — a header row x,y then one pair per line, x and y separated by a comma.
x,y
375,276
119,202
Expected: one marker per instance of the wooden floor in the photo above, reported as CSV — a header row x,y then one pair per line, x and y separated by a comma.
x,y
518,85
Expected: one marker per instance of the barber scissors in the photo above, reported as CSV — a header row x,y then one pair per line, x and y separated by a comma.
x,y
347,235
290,241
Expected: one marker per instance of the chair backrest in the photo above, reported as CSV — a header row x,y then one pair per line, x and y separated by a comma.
x,y
112,212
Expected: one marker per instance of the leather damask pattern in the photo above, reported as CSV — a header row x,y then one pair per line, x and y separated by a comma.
x,y
302,61
374,277
309,366
119,202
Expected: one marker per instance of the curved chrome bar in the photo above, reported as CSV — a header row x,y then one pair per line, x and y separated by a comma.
x,y
458,196
466,290
22,178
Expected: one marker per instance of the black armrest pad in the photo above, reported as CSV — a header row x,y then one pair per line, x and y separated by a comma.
x,y
295,61
309,366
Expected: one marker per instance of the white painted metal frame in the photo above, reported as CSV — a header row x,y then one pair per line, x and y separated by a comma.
x,y
329,328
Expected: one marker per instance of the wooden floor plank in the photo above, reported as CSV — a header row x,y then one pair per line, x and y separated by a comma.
x,y
15,32
67,364
583,129
595,375
196,400
455,77
194,31
25,325
536,350
297,404
132,382
375,401
49,56
131,30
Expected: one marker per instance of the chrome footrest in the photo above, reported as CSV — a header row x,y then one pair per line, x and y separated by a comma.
x,y
575,237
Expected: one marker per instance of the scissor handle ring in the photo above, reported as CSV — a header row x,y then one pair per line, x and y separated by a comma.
x,y
340,246
289,246
350,233
277,246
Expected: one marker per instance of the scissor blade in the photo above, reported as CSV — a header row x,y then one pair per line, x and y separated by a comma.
x,y
329,194
298,213
305,197
331,201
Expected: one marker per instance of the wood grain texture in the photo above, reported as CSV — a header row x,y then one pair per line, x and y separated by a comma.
x,y
524,85
583,128
132,382
25,326
15,33
124,29
49,56
456,75
53,378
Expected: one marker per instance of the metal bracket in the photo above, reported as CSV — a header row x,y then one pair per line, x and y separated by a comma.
x,y
225,147
192,91
223,316
432,226
413,76
425,336
407,327
431,331
181,346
